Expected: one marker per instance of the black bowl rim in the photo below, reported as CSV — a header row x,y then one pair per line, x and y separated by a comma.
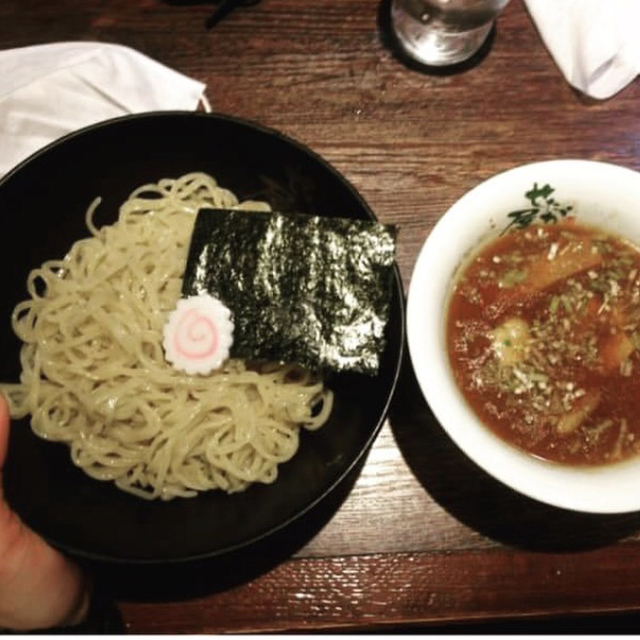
x,y
398,294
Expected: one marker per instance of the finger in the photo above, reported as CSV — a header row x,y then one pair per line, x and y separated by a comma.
x,y
39,587
4,429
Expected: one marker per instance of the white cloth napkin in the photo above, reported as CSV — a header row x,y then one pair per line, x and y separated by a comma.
x,y
47,91
595,43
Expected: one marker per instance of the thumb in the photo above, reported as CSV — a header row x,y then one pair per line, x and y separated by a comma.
x,y
39,587
4,431
5,419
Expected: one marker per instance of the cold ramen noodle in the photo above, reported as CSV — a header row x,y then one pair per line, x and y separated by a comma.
x,y
94,374
543,333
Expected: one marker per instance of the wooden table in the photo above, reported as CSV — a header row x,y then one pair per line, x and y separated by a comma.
x,y
420,537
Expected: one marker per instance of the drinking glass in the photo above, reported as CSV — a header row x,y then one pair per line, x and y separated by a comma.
x,y
443,32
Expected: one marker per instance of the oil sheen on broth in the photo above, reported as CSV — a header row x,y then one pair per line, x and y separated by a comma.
x,y
543,336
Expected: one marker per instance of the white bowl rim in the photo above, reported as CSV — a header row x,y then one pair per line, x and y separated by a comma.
x,y
603,489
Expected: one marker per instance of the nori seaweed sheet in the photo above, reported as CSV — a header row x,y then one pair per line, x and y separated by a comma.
x,y
305,289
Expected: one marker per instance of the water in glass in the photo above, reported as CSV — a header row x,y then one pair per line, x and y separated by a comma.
x,y
443,32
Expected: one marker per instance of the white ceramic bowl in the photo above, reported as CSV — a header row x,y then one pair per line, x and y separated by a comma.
x,y
602,194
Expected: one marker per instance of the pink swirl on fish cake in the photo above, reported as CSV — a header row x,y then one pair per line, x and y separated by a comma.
x,y
198,334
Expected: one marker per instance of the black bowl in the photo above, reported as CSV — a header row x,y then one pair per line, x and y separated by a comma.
x,y
43,202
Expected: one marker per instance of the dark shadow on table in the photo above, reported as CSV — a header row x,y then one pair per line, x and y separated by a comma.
x,y
181,580
606,623
480,501
390,42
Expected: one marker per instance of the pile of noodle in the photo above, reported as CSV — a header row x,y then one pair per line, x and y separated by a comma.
x,y
94,373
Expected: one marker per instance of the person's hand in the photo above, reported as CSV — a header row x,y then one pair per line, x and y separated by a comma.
x,y
39,587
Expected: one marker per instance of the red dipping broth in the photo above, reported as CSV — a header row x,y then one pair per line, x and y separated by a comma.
x,y
543,338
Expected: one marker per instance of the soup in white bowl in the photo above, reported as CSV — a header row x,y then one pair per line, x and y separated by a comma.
x,y
522,331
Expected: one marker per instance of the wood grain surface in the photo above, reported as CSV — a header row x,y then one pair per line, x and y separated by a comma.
x,y
419,537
